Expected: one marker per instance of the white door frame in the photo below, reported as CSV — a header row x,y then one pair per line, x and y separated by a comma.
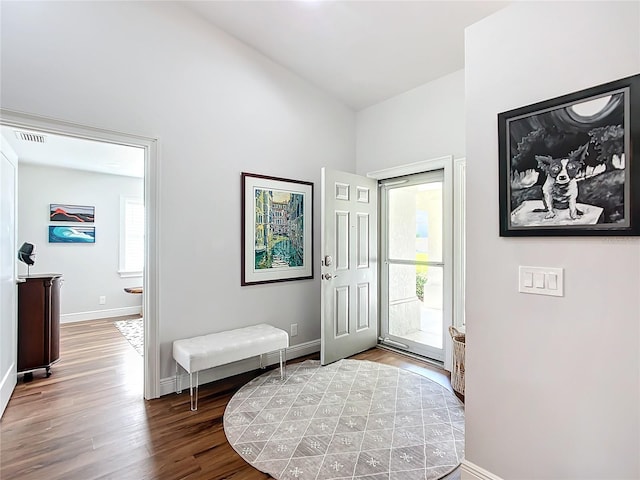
x,y
151,201
446,164
9,315
459,243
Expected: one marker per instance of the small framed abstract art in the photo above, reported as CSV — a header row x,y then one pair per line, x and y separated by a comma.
x,y
571,165
71,234
277,229
71,213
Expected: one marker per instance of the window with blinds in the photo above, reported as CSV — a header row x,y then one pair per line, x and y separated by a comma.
x,y
131,236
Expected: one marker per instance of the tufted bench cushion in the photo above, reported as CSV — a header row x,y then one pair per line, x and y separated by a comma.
x,y
208,351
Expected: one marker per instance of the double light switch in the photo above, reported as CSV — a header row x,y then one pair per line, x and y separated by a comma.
x,y
541,281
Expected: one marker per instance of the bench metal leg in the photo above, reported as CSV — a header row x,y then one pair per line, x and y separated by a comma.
x,y
283,360
262,367
178,386
194,398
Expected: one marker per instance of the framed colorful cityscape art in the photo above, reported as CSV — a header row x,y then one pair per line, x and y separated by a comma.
x,y
277,229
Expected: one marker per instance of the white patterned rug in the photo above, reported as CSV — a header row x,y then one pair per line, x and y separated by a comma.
x,y
350,420
133,331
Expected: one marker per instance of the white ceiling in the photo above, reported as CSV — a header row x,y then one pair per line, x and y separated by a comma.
x,y
361,52
76,153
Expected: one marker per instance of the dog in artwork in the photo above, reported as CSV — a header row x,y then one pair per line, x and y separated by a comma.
x,y
560,189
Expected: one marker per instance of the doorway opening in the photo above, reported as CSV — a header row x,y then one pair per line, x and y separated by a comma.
x,y
417,251
413,263
131,258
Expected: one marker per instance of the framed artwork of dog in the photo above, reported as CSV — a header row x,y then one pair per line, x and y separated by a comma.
x,y
567,165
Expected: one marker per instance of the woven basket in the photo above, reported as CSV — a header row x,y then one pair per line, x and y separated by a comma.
x,y
457,375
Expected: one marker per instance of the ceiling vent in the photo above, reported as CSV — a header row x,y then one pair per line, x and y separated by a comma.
x,y
31,137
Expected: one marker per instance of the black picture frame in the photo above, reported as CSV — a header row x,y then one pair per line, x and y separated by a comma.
x,y
277,229
63,212
577,153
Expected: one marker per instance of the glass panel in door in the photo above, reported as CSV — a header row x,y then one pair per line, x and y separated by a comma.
x,y
413,267
415,304
415,222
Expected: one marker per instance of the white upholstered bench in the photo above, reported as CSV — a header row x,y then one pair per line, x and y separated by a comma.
x,y
208,351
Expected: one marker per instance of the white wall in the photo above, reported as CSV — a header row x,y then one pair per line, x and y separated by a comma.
x,y
424,123
552,384
89,270
217,107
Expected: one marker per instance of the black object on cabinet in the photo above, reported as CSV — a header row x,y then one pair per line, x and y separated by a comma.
x,y
38,321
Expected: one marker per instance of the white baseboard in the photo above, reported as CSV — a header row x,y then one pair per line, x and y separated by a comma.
x,y
471,471
168,385
6,387
96,314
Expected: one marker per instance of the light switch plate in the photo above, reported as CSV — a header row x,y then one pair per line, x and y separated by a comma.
x,y
538,280
541,281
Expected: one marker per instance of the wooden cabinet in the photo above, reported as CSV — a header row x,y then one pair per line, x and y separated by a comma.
x,y
38,321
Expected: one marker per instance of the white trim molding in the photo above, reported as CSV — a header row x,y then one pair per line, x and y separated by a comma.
x,y
168,385
125,274
9,289
7,386
97,314
471,471
411,168
459,209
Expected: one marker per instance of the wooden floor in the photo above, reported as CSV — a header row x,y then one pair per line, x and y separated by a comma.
x,y
89,420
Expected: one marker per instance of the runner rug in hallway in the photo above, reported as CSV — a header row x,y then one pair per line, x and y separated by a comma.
x,y
352,419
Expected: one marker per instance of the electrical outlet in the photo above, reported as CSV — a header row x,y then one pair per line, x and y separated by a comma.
x,y
102,300
294,329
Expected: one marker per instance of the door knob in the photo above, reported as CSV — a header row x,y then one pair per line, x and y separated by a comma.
x,y
328,276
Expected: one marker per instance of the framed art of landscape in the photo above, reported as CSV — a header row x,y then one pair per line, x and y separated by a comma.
x,y
570,165
59,212
277,229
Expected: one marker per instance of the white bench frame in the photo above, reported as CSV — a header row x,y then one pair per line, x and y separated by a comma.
x,y
224,351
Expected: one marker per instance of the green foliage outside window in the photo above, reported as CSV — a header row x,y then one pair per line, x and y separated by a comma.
x,y
421,274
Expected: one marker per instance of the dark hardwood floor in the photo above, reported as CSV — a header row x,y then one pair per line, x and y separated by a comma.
x,y
89,420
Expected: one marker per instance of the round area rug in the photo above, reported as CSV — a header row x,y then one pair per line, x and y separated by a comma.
x,y
349,420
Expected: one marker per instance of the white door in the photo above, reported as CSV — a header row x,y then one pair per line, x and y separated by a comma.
x,y
349,265
8,277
